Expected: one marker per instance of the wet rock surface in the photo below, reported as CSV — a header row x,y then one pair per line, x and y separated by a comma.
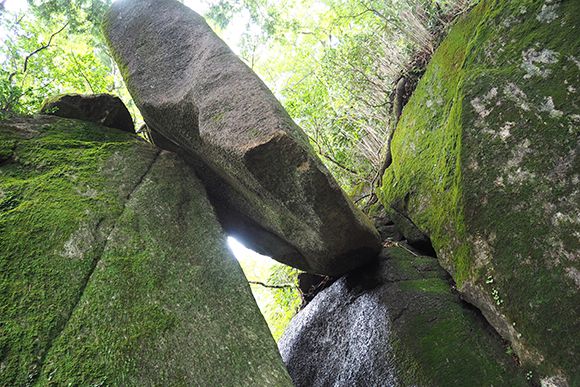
x,y
104,109
259,169
394,323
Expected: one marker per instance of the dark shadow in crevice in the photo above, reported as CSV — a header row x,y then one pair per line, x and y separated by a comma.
x,y
423,247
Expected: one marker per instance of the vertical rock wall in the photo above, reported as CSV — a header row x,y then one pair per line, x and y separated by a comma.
x,y
485,161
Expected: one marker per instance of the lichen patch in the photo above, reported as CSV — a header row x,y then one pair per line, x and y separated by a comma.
x,y
79,243
548,13
536,63
576,61
483,250
305,166
504,132
574,274
482,105
560,218
515,94
548,107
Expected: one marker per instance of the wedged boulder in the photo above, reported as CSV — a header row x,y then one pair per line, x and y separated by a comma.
x,y
270,189
485,162
395,323
114,268
104,109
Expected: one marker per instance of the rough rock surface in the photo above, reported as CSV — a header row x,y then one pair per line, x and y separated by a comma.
x,y
271,189
104,109
485,161
395,323
114,268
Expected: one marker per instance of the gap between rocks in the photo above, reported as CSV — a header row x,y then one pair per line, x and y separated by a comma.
x,y
393,238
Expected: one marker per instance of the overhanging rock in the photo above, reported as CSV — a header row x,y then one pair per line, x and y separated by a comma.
x,y
256,162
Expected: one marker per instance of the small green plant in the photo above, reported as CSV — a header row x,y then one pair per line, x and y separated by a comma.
x,y
529,375
509,351
496,297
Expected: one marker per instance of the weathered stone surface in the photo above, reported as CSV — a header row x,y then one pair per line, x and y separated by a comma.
x,y
104,109
395,323
260,171
485,158
114,268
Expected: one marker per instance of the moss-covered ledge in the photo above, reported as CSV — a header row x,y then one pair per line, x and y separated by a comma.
x,y
485,161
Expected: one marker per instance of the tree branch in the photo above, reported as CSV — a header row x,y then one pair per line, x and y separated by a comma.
x,y
362,197
286,286
39,49
80,69
326,156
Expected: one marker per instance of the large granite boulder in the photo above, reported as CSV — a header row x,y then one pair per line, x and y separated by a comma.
x,y
114,269
105,109
395,323
269,188
485,162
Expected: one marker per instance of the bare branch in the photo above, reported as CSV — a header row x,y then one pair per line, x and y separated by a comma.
x,y
286,286
80,69
362,197
39,49
329,158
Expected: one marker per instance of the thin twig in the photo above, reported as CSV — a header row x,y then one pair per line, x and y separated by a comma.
x,y
362,197
79,68
39,49
329,158
286,286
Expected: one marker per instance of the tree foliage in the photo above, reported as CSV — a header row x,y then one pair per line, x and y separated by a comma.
x,y
287,299
55,47
334,65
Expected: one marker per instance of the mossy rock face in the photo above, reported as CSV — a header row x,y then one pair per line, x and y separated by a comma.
x,y
396,323
485,161
114,270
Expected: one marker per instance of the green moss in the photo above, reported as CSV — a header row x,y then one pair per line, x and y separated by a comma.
x,y
485,162
454,349
114,269
167,300
428,155
6,150
426,285
439,341
49,190
218,117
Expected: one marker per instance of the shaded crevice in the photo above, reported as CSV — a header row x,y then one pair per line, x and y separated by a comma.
x,y
400,313
311,284
425,247
57,331
140,181
8,157
419,241
485,325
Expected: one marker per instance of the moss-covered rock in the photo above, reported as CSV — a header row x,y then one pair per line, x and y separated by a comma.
x,y
105,109
114,270
396,323
485,161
